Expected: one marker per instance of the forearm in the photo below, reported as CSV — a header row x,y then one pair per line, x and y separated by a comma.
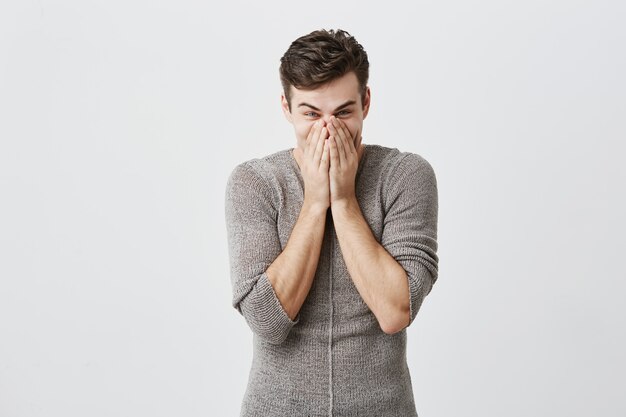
x,y
292,272
381,281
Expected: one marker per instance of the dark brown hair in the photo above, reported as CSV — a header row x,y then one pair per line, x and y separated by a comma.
x,y
321,56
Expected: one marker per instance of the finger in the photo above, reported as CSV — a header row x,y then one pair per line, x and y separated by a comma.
x,y
339,139
334,153
358,147
310,143
320,146
348,136
322,131
325,158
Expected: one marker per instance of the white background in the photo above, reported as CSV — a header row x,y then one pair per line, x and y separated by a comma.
x,y
121,120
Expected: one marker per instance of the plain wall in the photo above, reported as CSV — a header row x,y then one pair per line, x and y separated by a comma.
x,y
120,122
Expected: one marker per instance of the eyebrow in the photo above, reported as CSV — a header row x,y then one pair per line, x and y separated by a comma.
x,y
346,104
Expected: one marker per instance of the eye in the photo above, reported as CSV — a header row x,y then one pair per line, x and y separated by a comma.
x,y
313,114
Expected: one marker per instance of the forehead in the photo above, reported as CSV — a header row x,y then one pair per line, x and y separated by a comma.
x,y
336,91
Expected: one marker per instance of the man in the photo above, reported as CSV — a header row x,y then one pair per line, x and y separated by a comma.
x,y
332,247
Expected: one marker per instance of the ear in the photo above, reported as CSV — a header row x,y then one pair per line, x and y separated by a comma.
x,y
285,107
366,102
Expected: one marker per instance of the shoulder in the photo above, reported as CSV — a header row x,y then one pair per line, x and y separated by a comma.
x,y
394,165
261,168
414,165
261,174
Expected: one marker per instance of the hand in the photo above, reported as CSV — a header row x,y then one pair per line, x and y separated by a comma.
x,y
345,154
314,162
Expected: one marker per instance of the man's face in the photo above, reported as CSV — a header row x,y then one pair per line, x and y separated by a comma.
x,y
339,97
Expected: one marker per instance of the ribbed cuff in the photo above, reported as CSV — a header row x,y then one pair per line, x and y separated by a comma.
x,y
420,284
276,322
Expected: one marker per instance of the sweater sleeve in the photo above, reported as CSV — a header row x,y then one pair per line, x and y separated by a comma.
x,y
253,244
410,225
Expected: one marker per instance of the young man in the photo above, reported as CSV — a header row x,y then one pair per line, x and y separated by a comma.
x,y
332,245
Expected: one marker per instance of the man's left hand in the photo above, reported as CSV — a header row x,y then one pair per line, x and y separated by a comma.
x,y
345,154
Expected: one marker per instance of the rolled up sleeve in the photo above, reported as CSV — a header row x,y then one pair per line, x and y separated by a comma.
x,y
253,244
410,225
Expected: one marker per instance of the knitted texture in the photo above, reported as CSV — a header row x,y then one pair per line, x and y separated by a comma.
x,y
333,358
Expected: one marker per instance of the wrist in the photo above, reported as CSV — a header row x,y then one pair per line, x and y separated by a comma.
x,y
315,208
345,205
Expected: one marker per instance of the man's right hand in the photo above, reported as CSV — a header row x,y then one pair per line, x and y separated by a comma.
x,y
314,164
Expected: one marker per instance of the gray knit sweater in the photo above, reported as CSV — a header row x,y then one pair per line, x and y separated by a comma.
x,y
333,359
